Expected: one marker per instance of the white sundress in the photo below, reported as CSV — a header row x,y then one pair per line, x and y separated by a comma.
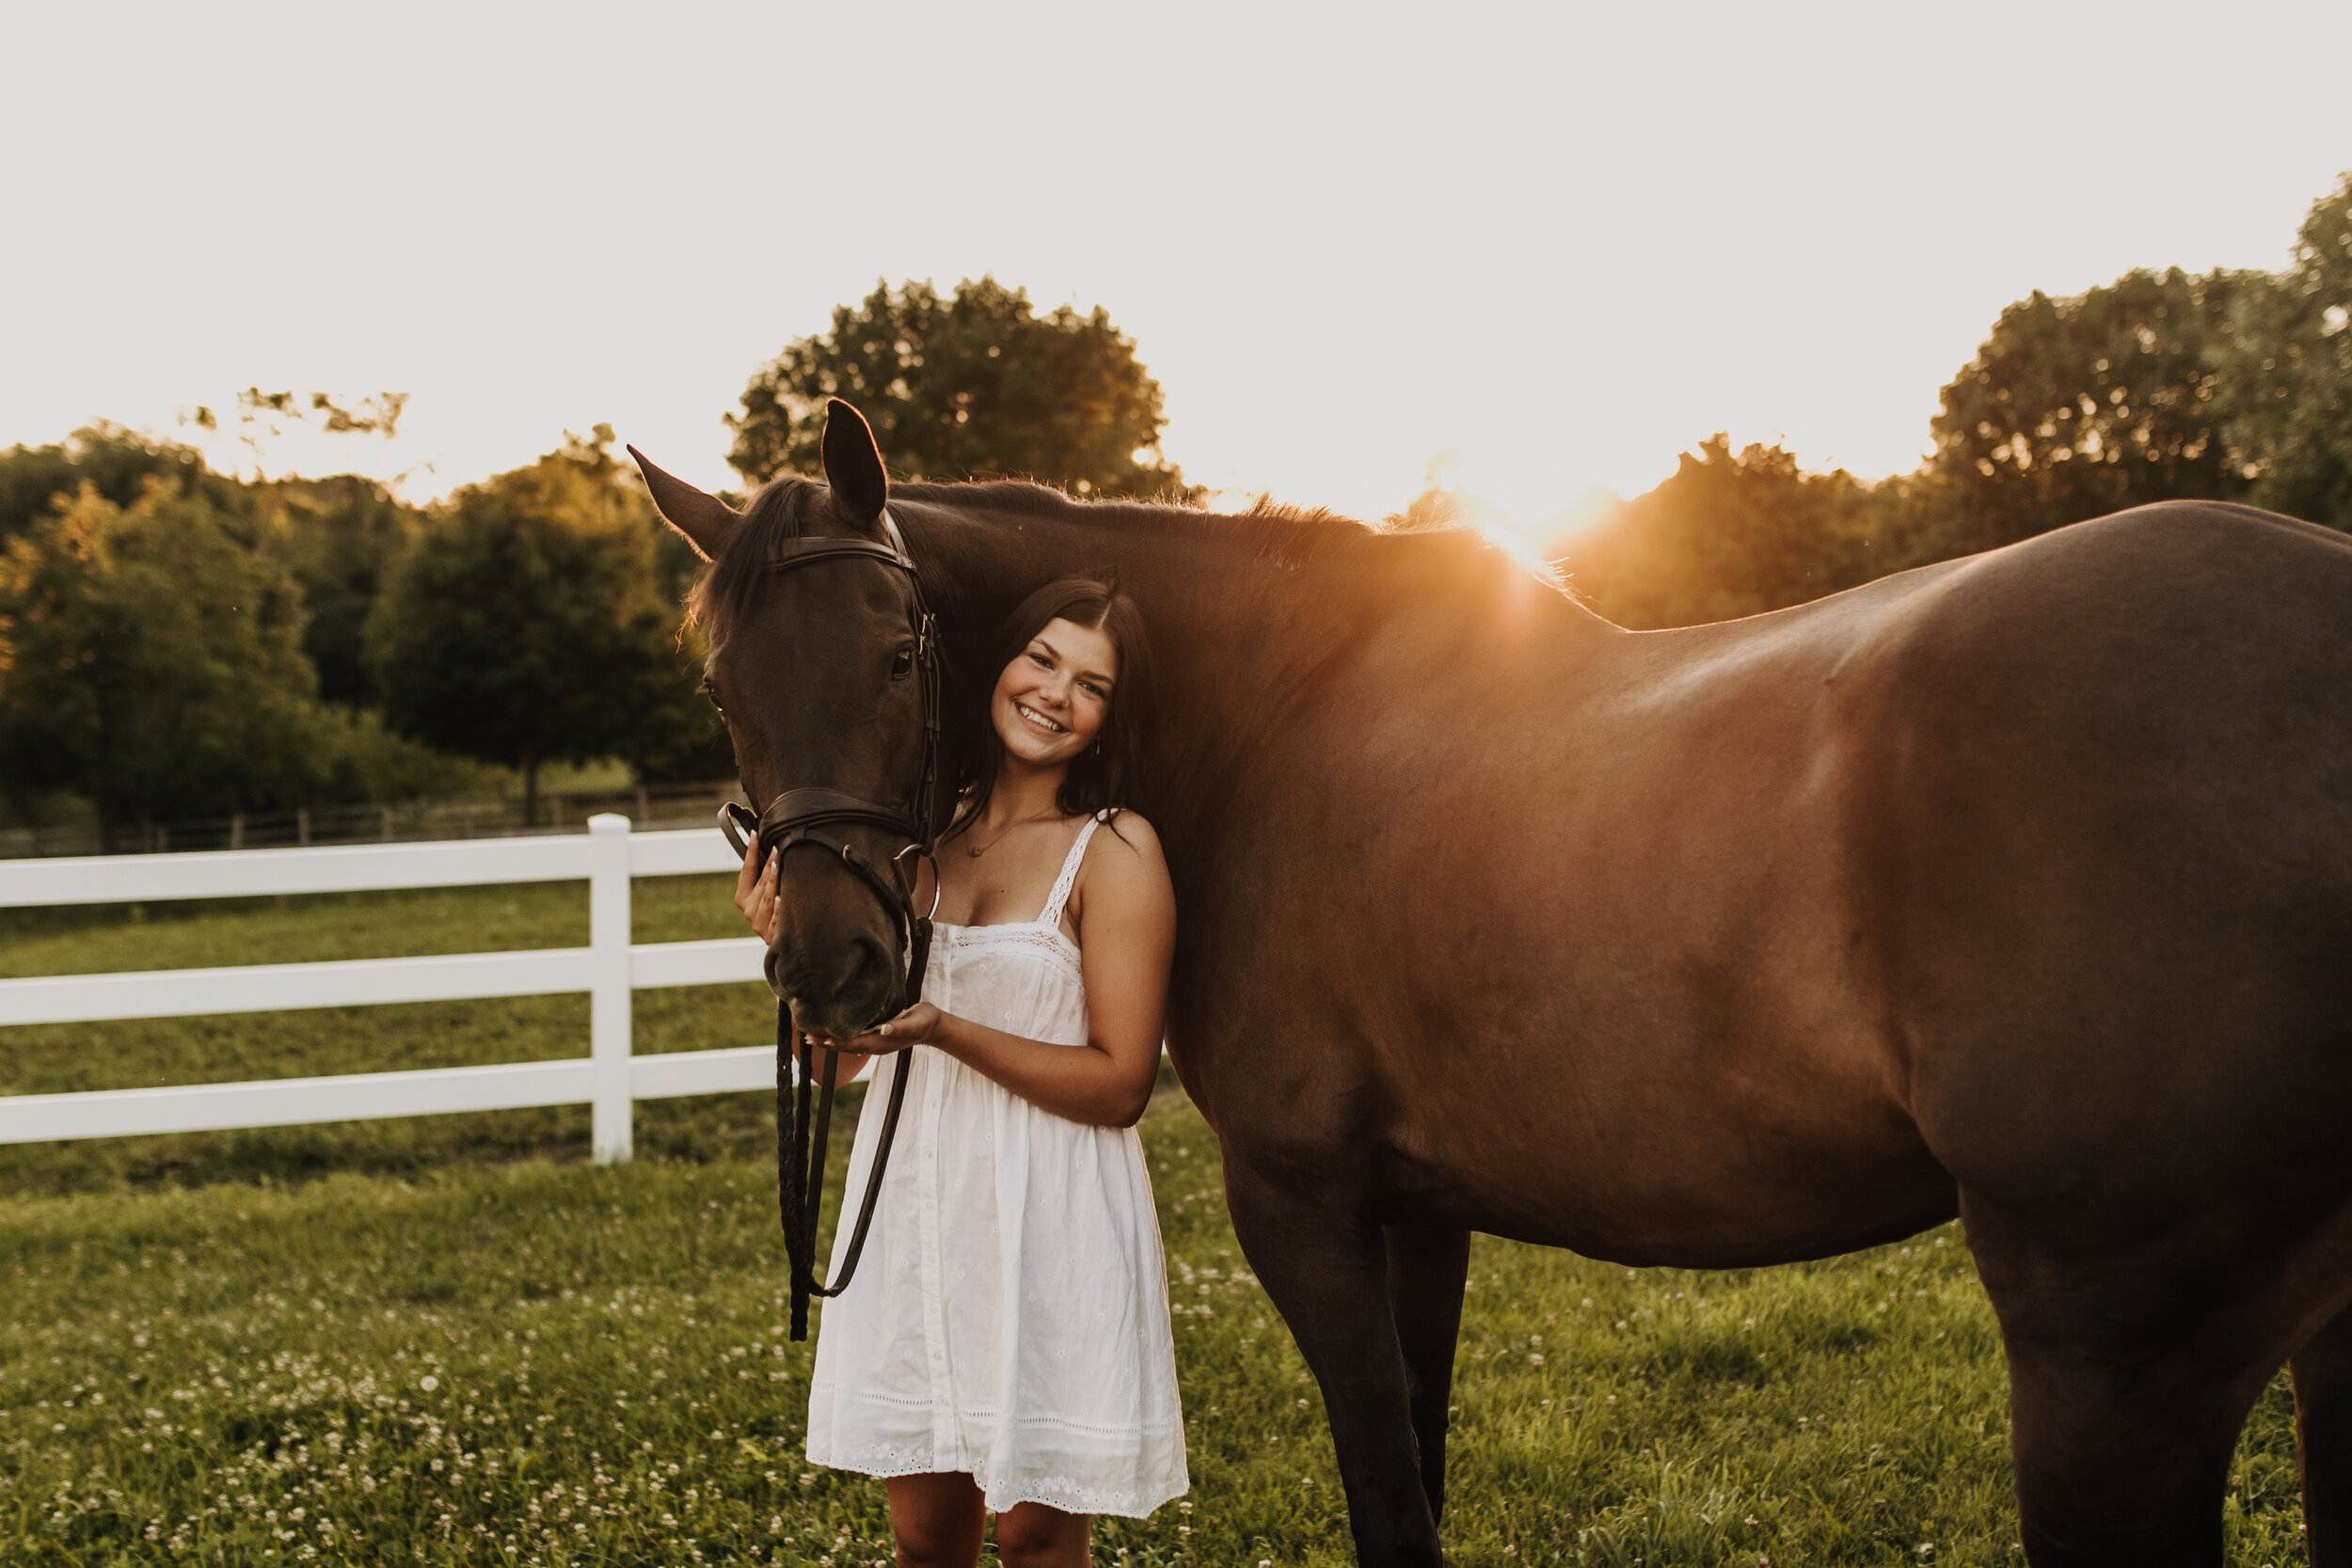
x,y
1010,1317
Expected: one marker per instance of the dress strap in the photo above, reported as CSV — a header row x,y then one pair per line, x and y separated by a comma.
x,y
1051,914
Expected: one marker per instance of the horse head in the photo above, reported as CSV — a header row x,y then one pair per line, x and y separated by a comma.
x,y
819,665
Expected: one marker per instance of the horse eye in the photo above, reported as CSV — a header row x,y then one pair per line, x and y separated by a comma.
x,y
712,692
902,664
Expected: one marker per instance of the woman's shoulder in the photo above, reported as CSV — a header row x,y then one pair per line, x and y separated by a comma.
x,y
1124,860
1127,829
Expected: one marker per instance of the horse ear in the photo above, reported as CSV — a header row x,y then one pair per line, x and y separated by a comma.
x,y
706,521
853,465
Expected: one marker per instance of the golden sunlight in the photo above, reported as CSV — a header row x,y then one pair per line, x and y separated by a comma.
x,y
1529,512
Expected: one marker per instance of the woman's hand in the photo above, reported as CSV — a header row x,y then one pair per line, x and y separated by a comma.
x,y
755,895
918,1026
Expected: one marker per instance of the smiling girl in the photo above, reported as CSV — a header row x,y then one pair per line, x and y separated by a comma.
x,y
1006,1348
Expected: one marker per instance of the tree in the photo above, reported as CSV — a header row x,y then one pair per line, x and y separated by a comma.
x,y
524,624
974,385
263,416
154,661
37,482
682,739
2078,407
2288,373
1727,536
340,537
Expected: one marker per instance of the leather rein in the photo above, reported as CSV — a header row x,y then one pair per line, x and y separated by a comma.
x,y
798,818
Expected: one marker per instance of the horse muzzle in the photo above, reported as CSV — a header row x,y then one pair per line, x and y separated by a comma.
x,y
838,986
839,970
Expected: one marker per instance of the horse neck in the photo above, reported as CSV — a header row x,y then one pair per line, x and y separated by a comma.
x,y
1236,636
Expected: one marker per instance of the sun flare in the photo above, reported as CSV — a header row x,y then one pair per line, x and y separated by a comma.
x,y
1507,538
1530,513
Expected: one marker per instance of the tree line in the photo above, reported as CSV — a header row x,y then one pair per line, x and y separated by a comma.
x,y
177,643
2232,386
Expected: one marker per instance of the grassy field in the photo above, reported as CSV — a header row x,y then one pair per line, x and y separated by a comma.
x,y
452,1340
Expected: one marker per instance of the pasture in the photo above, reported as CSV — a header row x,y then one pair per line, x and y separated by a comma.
x,y
453,1340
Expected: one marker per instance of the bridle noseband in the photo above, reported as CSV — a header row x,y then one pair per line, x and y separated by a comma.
x,y
801,817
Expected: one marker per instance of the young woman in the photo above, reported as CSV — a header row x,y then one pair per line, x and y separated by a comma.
x,y
1005,1345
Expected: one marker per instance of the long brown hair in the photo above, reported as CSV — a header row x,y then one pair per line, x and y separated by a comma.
x,y
1107,774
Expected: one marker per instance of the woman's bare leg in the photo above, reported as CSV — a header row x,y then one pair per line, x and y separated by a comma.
x,y
1031,1535
937,1519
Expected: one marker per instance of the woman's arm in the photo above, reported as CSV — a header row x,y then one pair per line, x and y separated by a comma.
x,y
1126,921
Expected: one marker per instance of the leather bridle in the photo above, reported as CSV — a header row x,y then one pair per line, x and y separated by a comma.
x,y
801,817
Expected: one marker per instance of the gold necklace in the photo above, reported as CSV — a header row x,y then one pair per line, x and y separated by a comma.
x,y
976,850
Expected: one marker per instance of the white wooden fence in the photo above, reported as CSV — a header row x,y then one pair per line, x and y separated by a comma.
x,y
608,969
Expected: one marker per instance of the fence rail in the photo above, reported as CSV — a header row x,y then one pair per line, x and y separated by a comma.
x,y
610,969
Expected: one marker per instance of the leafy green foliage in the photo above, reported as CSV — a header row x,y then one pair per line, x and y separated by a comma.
x,y
157,663
2161,386
2078,407
977,385
339,536
2288,371
682,739
150,597
524,625
39,480
1728,535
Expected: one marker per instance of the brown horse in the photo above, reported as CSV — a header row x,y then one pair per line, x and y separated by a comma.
x,y
2017,887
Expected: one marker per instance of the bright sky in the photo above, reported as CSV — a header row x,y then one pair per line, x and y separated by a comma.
x,y
1564,242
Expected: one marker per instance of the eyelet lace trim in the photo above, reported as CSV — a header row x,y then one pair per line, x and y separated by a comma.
x,y
1032,934
884,1460
1051,913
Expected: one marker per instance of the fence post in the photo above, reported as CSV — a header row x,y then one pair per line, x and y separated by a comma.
x,y
609,997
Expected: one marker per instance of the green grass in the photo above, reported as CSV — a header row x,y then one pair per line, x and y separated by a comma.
x,y
452,1347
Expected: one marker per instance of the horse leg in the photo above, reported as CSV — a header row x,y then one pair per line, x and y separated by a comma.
x,y
1427,1267
2323,1440
2120,1463
1324,1264
2129,1381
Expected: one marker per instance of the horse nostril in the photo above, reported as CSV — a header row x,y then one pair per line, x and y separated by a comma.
x,y
867,962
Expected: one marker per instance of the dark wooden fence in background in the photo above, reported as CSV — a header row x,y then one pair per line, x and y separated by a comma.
x,y
663,805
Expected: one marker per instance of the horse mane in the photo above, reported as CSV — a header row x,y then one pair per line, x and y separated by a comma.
x,y
1269,530
770,518
1423,562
